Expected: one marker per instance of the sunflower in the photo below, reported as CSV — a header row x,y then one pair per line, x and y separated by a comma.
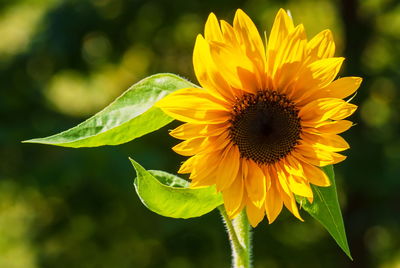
x,y
267,116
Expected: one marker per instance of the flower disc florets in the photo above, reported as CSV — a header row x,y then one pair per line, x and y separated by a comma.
x,y
265,126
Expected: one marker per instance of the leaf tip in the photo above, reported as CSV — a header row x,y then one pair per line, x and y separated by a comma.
x,y
31,141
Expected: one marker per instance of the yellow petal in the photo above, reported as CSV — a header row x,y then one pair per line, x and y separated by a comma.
x,y
293,166
194,105
284,191
292,49
315,175
329,142
337,158
299,187
320,110
228,168
191,146
282,26
255,184
212,31
236,68
207,73
273,201
334,127
282,178
286,77
317,157
290,203
202,144
315,76
343,87
188,130
266,171
193,96
294,174
204,170
313,156
254,214
321,46
325,70
346,110
229,34
248,36
340,88
188,165
251,43
240,56
233,197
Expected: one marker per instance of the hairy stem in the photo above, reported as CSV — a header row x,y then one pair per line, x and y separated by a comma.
x,y
239,237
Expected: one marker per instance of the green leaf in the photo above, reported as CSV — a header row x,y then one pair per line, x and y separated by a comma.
x,y
168,195
130,116
326,209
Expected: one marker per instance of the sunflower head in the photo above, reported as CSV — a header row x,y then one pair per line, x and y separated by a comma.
x,y
267,115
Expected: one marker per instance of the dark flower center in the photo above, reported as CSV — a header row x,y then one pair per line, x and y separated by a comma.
x,y
265,126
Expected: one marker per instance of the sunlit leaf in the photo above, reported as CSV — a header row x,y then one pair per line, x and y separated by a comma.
x,y
326,209
130,116
168,195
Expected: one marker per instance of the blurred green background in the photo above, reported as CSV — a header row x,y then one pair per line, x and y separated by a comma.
x,y
62,61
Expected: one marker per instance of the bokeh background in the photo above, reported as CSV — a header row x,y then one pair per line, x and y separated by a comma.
x,y
62,61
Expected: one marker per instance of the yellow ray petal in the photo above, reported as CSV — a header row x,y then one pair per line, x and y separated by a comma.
x,y
315,175
324,71
291,50
202,144
236,68
337,158
194,96
331,127
282,26
248,36
313,156
194,105
212,31
346,110
343,87
321,46
294,174
290,203
273,201
188,130
266,171
320,110
317,157
299,186
340,88
282,179
228,168
251,43
255,184
315,76
229,34
188,165
286,77
207,73
329,142
221,141
191,146
254,214
204,170
293,166
233,197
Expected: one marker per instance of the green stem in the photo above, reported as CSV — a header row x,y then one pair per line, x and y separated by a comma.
x,y
239,236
